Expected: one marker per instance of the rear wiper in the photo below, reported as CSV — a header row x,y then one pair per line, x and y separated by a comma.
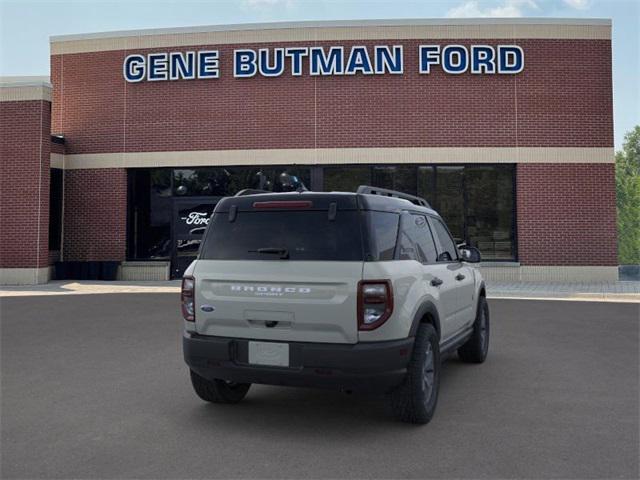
x,y
283,252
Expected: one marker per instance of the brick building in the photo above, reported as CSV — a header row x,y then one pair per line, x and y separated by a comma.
x,y
505,126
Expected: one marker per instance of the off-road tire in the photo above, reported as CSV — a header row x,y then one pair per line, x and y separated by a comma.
x,y
414,401
218,391
476,348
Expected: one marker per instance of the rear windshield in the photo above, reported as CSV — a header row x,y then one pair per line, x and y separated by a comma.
x,y
276,235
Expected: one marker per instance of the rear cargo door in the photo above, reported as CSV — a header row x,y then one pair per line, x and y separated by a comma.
x,y
281,270
303,301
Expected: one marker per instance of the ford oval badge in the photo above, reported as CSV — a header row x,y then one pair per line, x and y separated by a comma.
x,y
207,308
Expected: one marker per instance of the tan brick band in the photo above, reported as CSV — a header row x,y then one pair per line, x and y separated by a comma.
x,y
24,276
550,273
25,93
57,160
329,31
336,156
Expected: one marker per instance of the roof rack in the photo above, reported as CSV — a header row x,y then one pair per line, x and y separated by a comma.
x,y
250,191
392,193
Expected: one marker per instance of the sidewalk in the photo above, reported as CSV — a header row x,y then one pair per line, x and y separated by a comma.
x,y
84,287
588,292
591,292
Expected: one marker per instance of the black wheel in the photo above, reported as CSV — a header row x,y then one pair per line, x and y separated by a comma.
x,y
218,391
476,348
415,400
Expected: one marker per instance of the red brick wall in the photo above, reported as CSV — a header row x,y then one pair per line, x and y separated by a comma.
x,y
566,214
24,183
57,148
562,98
95,214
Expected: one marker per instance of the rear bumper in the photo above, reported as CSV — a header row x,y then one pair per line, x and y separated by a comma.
x,y
376,366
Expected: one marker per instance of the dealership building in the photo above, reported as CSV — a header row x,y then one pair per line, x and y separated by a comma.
x,y
504,125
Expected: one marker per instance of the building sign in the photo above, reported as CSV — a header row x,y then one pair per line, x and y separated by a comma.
x,y
324,61
196,218
193,220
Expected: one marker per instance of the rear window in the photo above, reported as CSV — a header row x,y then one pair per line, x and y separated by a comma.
x,y
303,234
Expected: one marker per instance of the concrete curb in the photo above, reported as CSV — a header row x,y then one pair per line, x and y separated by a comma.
x,y
519,291
576,297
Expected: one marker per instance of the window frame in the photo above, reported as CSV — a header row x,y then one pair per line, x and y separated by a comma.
x,y
439,247
403,215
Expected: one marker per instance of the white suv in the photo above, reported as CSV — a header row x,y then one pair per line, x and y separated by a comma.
x,y
354,291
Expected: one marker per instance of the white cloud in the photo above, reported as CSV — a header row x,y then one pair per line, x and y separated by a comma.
x,y
508,8
578,4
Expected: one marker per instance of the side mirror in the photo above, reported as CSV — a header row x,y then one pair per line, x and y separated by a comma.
x,y
470,254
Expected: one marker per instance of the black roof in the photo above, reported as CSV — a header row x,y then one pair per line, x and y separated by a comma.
x,y
322,200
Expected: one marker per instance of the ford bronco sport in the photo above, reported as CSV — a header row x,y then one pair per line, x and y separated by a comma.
x,y
361,291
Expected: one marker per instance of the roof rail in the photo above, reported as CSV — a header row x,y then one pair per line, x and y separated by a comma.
x,y
393,193
250,191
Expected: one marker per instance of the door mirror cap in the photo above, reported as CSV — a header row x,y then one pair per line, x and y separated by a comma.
x,y
470,254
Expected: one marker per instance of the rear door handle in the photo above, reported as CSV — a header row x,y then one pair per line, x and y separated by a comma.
x,y
436,282
460,277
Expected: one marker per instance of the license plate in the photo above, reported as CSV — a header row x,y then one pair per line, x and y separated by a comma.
x,y
269,353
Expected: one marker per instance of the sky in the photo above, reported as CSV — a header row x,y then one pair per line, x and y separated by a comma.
x,y
25,26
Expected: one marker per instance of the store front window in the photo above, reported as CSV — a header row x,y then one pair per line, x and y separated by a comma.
x,y
346,178
476,201
490,210
225,181
168,209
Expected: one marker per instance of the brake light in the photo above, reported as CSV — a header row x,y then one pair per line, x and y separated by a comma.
x,y
375,303
187,297
284,204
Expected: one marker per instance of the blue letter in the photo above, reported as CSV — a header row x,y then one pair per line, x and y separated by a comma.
x,y
181,68
386,62
158,66
133,68
296,55
321,64
462,62
483,59
429,55
274,70
359,61
510,59
244,63
208,64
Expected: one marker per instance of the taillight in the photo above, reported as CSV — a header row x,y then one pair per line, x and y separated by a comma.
x,y
187,298
375,303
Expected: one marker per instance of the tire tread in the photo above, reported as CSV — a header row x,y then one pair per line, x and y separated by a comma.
x,y
406,401
471,351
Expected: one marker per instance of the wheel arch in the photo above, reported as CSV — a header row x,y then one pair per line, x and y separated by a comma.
x,y
427,313
482,290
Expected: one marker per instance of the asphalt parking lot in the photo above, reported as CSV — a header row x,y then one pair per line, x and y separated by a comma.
x,y
94,386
